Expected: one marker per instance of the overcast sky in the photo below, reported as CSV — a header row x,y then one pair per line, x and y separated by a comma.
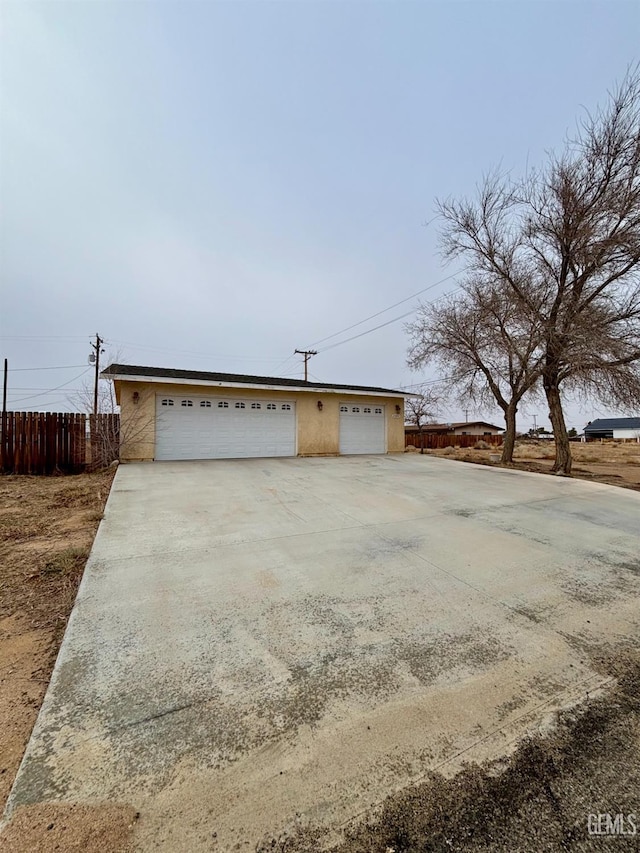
x,y
211,185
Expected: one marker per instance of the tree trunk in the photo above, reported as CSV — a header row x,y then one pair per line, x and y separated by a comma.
x,y
510,434
563,462
421,441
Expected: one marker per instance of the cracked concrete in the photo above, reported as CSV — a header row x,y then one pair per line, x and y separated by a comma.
x,y
257,642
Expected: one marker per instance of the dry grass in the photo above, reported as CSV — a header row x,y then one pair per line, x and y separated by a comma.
x,y
615,463
66,562
606,452
533,451
47,526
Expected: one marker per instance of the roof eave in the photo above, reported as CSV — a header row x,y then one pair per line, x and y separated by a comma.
x,y
212,383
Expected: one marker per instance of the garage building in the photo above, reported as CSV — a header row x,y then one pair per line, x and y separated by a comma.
x,y
169,414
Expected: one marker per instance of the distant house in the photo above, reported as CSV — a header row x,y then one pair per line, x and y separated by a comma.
x,y
458,428
620,428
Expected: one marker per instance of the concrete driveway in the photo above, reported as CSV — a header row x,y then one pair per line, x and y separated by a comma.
x,y
258,639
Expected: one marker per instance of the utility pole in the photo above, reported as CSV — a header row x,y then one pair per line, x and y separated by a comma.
x,y
95,356
307,353
535,426
466,416
4,391
3,436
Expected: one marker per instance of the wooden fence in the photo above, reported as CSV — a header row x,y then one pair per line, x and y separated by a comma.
x,y
55,442
42,443
435,442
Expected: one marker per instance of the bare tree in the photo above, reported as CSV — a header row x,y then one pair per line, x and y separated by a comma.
x,y
83,399
421,407
111,436
566,242
488,347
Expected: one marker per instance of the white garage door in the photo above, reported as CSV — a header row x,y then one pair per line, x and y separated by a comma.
x,y
362,428
189,427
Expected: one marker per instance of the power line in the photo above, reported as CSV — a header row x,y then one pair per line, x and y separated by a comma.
x,y
49,404
193,352
384,310
434,381
427,382
42,337
30,388
63,367
290,375
368,332
282,363
133,346
388,322
51,390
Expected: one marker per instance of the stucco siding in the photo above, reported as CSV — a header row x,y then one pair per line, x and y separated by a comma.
x,y
318,431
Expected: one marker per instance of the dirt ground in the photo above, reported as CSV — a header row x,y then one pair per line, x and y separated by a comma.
x,y
553,794
615,463
47,526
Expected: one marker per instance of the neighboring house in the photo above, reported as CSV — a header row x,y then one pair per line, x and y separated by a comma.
x,y
190,414
620,428
458,428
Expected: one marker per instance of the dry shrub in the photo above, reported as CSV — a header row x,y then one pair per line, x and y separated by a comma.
x,y
66,562
534,451
481,445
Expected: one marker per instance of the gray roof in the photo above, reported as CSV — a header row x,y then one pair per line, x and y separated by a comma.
x,y
603,424
133,371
